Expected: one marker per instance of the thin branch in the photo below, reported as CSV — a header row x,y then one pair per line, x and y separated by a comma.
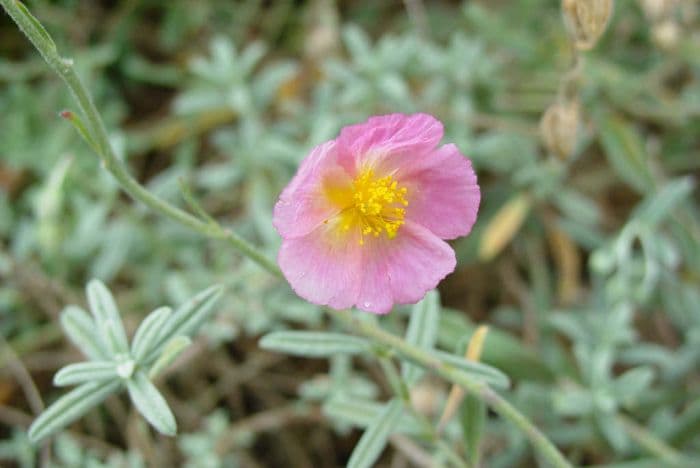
x,y
31,393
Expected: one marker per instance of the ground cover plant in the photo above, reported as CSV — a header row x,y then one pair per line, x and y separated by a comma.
x,y
162,162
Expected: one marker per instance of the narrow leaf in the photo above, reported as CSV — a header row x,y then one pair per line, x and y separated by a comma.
x,y
70,407
78,124
357,43
313,344
82,372
361,413
146,335
106,314
355,411
192,202
662,204
475,370
36,25
625,150
151,404
422,332
375,438
171,351
80,328
473,416
501,351
187,318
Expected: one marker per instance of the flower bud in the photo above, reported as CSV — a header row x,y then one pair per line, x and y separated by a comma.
x,y
586,20
559,126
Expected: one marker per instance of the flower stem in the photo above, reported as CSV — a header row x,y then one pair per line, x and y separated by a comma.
x,y
500,405
651,443
98,134
65,69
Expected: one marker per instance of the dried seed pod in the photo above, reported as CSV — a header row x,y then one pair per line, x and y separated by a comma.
x,y
559,127
586,20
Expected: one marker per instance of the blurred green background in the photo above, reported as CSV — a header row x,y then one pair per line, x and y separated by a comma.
x,y
585,262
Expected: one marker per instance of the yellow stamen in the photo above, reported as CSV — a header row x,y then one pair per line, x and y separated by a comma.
x,y
373,205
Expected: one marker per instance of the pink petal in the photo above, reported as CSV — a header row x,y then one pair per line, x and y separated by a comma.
x,y
407,136
443,193
341,273
323,268
301,206
403,269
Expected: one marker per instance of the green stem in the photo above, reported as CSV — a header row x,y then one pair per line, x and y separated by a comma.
x,y
397,384
501,406
651,443
401,392
64,68
451,455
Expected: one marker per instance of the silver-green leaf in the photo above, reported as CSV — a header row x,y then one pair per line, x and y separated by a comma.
x,y
660,205
146,336
313,344
361,413
475,370
70,407
422,332
80,328
151,404
187,319
171,351
473,418
45,36
81,372
104,309
376,436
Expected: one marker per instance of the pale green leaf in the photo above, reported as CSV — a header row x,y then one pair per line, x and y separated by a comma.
x,y
624,147
146,336
357,42
360,412
422,331
81,372
187,319
80,328
151,404
171,351
475,370
473,418
104,309
80,127
46,38
70,407
376,436
662,204
313,344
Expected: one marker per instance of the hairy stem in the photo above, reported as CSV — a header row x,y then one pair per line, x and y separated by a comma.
x,y
65,69
501,406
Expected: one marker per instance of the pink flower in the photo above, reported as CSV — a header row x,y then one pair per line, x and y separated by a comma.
x,y
364,220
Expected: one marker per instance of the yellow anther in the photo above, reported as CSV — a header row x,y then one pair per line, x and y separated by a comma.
x,y
376,206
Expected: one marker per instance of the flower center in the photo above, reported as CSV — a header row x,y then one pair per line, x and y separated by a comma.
x,y
377,206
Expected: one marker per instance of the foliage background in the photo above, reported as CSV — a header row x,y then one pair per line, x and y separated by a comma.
x,y
587,268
